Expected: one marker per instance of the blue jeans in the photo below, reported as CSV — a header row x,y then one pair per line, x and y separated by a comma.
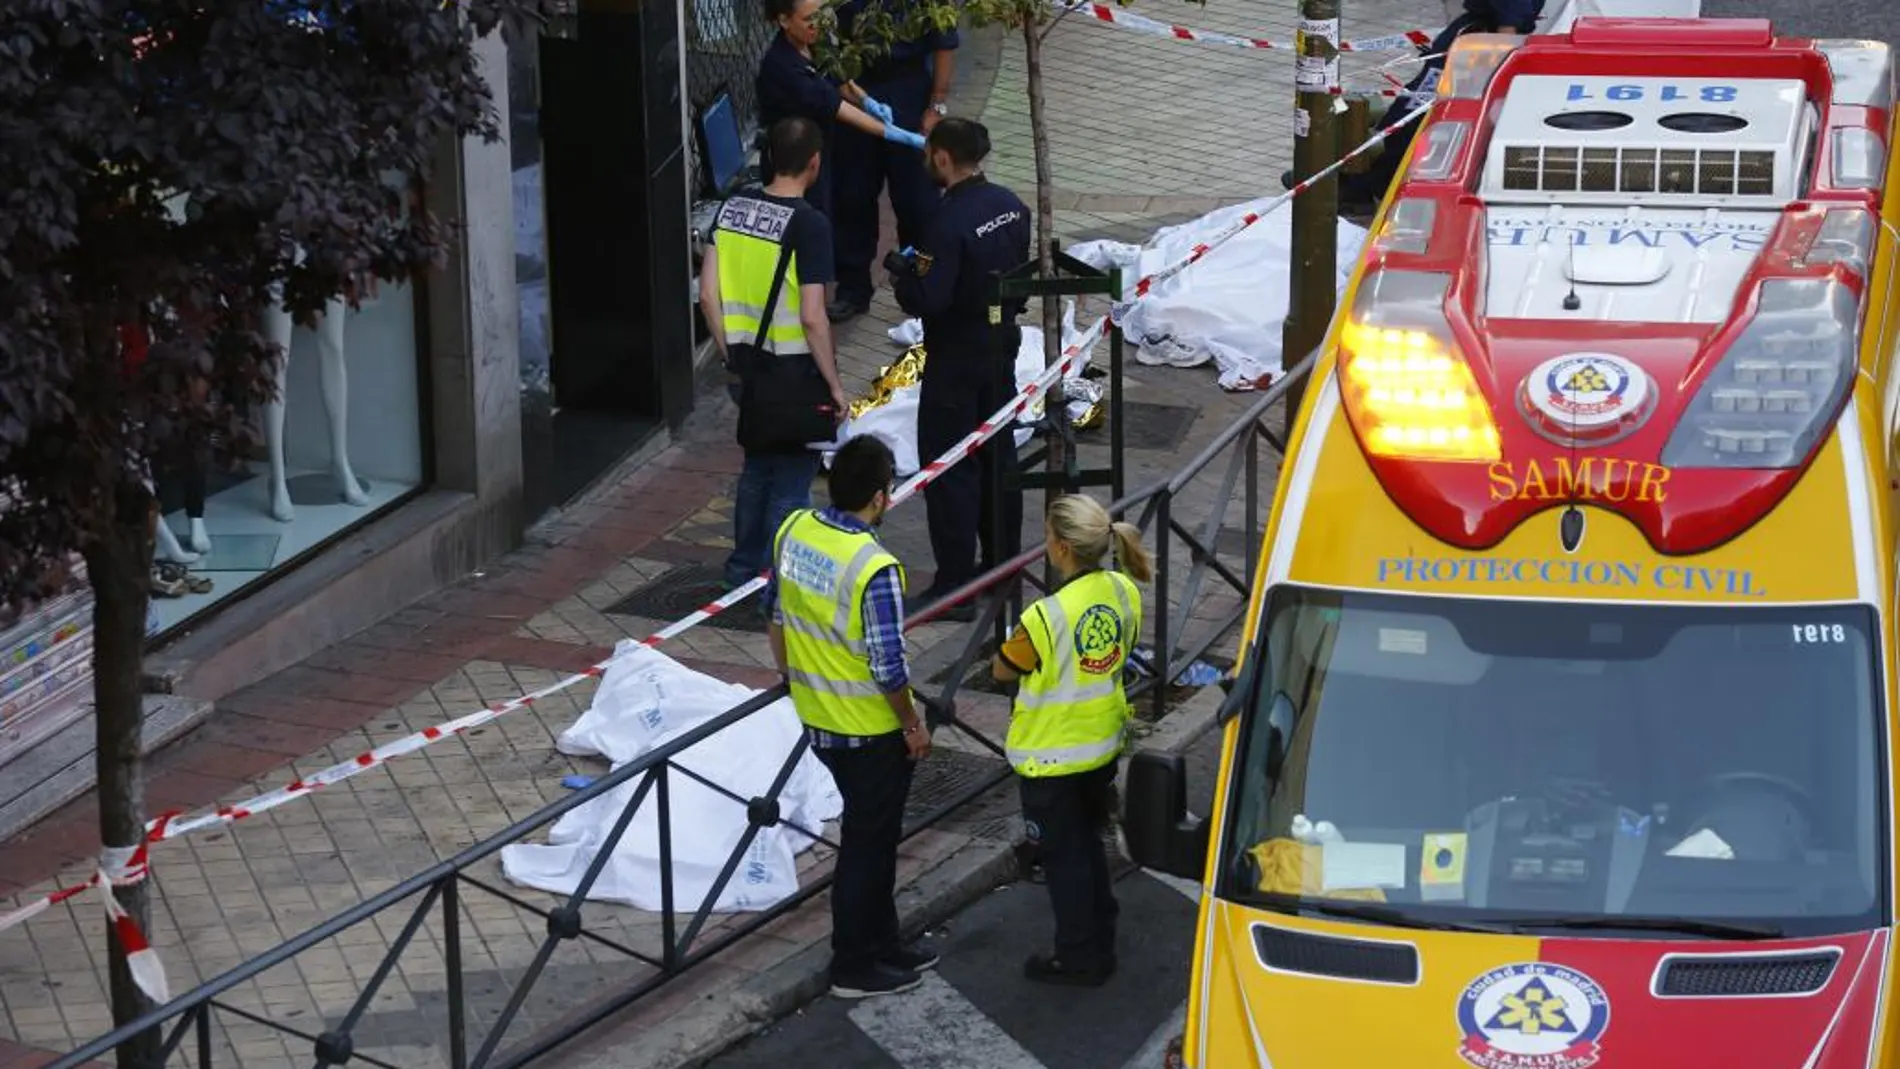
x,y
771,487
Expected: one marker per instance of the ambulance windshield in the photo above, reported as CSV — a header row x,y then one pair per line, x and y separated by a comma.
x,y
1463,761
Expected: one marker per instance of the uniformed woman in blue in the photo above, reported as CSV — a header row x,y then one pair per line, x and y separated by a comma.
x,y
1065,731
789,84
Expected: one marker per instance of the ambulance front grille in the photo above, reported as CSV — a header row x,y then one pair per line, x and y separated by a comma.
x,y
1744,975
1372,960
1693,172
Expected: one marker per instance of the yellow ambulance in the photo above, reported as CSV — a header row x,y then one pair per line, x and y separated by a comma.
x,y
1564,732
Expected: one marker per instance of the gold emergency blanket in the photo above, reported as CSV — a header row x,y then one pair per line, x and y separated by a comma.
x,y
1085,396
1291,867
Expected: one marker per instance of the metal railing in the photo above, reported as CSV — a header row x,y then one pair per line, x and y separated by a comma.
x,y
438,892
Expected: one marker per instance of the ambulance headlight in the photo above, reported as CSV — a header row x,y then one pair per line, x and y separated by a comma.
x,y
1779,387
1407,391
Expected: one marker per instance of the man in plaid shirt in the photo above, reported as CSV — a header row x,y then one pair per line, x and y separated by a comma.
x,y
836,605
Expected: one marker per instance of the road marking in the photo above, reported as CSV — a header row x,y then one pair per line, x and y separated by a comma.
x,y
931,1026
1189,888
1154,1052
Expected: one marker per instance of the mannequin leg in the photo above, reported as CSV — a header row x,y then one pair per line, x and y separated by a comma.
x,y
166,547
277,329
336,402
195,477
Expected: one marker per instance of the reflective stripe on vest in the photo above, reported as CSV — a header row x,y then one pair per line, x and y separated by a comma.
x,y
1070,711
822,575
749,234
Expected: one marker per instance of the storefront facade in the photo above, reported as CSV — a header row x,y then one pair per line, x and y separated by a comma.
x,y
394,468
601,164
421,432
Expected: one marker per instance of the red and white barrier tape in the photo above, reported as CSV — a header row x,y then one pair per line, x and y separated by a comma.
x,y
1393,87
171,826
1226,233
1128,20
118,867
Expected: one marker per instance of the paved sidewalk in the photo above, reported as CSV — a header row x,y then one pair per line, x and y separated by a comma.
x,y
1171,131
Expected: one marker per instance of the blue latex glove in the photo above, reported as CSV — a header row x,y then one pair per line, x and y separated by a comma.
x,y
899,135
876,109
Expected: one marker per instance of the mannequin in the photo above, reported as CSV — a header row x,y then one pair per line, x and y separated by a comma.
x,y
336,404
165,544
166,547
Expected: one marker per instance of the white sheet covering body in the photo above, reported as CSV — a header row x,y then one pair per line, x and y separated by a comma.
x,y
1230,307
895,420
645,700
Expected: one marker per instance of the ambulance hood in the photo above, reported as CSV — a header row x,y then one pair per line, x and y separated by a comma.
x,y
1633,306
1298,998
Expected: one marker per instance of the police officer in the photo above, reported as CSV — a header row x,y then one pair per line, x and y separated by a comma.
x,y
1361,193
770,247
914,79
1066,729
979,229
790,84
837,622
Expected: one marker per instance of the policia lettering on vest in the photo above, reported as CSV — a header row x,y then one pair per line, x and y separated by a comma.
x,y
1065,732
836,604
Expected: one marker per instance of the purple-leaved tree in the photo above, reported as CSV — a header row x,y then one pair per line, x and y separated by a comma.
x,y
164,165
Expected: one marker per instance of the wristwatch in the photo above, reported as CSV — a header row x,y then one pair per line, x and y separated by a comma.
x,y
942,109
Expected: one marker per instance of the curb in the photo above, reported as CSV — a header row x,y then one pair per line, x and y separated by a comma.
x,y
1184,725
720,1020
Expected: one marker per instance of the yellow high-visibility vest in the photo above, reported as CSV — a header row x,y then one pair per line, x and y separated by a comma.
x,y
822,573
1071,711
749,234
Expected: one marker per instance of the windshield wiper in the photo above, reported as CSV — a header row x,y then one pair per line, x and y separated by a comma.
x,y
1373,913
1710,929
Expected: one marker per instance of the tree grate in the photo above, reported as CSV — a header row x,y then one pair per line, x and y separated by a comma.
x,y
686,589
944,776
1162,428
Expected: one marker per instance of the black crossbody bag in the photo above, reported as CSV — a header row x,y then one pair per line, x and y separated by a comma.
x,y
783,400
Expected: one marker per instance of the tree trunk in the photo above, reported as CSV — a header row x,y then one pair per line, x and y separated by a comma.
x,y
1056,404
118,566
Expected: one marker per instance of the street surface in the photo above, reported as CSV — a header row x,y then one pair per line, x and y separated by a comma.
x,y
975,1008
977,1012
1836,18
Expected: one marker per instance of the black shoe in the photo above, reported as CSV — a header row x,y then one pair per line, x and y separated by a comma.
x,y
918,956
842,310
1287,180
877,980
1049,969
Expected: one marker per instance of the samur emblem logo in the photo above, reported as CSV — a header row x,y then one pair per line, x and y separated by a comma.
x,y
1098,640
1587,390
1532,1015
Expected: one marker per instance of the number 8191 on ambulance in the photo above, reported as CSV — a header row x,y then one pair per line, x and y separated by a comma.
x,y
1564,731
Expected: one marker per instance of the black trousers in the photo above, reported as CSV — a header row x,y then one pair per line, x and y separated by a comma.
x,y
863,166
874,780
959,506
1065,817
183,477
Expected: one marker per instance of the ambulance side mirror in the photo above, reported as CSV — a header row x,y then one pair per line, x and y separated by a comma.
x,y
1161,834
1239,688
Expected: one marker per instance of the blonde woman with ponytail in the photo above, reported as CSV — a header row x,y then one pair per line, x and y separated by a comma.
x,y
1065,732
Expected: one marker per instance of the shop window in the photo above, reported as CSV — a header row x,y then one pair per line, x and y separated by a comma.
x,y
344,442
